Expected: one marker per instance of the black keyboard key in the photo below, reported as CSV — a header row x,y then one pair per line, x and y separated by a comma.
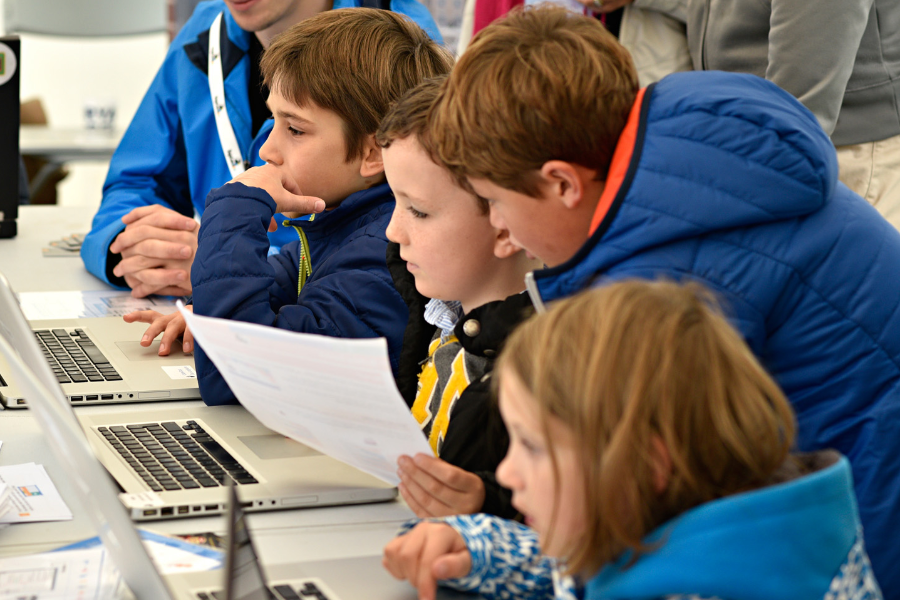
x,y
190,485
207,482
155,486
94,354
79,379
247,479
171,486
113,378
287,592
171,426
60,333
95,378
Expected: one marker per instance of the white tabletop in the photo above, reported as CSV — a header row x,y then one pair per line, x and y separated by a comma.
x,y
24,265
67,144
280,537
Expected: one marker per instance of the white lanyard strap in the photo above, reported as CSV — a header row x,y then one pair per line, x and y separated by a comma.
x,y
229,142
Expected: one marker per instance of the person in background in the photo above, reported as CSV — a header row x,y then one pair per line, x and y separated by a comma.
x,y
840,58
462,280
650,454
720,178
201,123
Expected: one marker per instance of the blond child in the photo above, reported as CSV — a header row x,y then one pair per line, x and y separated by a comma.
x,y
462,279
650,454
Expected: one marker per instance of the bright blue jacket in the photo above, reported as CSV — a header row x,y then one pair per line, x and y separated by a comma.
x,y
798,540
349,293
170,154
727,180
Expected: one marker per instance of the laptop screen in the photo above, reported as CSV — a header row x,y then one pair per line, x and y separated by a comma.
x,y
244,579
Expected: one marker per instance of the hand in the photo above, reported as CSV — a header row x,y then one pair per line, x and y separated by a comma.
x,y
171,326
604,6
430,551
157,248
282,189
434,488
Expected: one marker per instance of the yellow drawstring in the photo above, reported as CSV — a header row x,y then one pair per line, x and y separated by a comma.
x,y
305,269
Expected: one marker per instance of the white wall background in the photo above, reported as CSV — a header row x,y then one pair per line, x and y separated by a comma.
x,y
66,72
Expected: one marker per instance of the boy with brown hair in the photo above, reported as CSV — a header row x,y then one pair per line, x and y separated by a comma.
x,y
332,78
720,178
462,280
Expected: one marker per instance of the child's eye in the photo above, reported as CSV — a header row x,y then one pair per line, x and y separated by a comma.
x,y
417,214
530,446
294,132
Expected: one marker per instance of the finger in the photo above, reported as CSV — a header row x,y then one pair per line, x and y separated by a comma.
x,y
450,475
162,216
141,316
187,341
431,504
155,243
141,290
156,327
412,503
162,277
135,263
305,205
452,566
273,226
174,329
425,581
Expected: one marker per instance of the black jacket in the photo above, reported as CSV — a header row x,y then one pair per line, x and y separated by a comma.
x,y
476,438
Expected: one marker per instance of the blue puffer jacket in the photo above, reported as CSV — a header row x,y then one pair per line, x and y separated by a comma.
x,y
727,180
348,294
797,540
170,154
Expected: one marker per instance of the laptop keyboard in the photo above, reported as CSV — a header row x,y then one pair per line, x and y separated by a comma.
x,y
169,456
311,589
73,357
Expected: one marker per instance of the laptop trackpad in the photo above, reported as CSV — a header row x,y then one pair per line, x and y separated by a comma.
x,y
134,351
276,446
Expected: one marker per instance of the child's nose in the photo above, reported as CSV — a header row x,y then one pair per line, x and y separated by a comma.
x,y
269,152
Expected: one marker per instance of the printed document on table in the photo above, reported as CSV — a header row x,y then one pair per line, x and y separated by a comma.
x,y
336,395
60,575
34,497
79,305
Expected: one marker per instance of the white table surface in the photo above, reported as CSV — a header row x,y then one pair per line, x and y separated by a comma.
x,y
68,144
280,536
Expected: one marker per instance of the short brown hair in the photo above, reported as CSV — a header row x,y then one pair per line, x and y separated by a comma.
x,y
354,62
412,116
540,84
637,360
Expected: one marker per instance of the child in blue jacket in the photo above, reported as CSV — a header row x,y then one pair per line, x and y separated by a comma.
x,y
650,455
332,78
718,178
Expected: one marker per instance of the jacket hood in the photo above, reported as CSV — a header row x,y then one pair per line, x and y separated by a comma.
x,y
702,152
784,541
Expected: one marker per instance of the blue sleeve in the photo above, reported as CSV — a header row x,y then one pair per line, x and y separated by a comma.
x,y
149,166
413,9
506,559
349,295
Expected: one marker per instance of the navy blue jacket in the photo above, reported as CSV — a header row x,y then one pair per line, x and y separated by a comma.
x,y
727,180
349,293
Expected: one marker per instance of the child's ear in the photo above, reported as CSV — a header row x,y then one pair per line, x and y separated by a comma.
x,y
503,247
372,164
564,181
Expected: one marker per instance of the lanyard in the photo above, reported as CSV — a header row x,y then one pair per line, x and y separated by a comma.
x,y
230,148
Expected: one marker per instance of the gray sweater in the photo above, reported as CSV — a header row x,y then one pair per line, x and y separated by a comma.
x,y
840,58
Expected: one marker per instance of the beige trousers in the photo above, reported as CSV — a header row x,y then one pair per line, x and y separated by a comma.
x,y
872,170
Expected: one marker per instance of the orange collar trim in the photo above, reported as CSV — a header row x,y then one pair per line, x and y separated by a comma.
x,y
620,162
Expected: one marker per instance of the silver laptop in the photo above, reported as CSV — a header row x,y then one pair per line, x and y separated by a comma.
x,y
354,578
182,457
100,360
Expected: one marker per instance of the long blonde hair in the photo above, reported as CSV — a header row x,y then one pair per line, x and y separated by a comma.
x,y
637,361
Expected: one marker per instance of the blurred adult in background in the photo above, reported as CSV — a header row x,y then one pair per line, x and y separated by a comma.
x,y
178,147
840,58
